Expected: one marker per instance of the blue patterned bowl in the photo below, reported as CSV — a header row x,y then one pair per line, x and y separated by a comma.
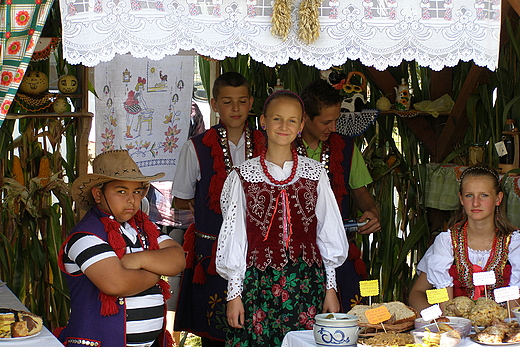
x,y
336,329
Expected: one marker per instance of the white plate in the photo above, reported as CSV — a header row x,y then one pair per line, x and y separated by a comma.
x,y
494,344
11,339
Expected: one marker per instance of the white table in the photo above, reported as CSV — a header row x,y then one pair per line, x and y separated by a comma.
x,y
43,339
305,338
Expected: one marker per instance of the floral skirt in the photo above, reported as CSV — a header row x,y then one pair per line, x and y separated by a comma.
x,y
276,302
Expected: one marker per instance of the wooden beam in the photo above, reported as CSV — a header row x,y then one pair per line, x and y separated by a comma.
x,y
457,123
515,4
441,83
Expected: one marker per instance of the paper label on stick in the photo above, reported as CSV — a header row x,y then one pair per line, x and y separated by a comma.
x,y
484,278
506,293
378,315
501,148
369,288
436,296
432,312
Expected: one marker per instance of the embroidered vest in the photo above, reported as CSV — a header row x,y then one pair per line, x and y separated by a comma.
x,y
462,269
268,246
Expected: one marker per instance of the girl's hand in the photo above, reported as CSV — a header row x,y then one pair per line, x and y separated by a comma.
x,y
235,313
331,303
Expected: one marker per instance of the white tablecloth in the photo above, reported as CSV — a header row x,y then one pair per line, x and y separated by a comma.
x,y
305,338
43,339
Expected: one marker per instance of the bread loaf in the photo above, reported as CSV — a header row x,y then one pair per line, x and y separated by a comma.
x,y
399,312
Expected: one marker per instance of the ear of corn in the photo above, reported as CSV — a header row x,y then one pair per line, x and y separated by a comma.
x,y
17,170
44,171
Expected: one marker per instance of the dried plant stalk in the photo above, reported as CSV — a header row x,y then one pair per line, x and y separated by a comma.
x,y
281,18
309,23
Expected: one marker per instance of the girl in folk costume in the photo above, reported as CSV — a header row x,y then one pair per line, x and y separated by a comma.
x,y
479,238
282,235
204,163
114,259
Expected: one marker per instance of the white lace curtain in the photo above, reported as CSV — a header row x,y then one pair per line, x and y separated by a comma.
x,y
380,33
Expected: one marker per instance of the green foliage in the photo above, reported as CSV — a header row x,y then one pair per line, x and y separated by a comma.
x,y
37,216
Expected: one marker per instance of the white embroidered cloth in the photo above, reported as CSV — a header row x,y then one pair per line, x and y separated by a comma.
x,y
380,33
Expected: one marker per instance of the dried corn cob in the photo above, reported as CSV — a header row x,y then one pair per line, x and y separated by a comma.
x,y
17,170
44,171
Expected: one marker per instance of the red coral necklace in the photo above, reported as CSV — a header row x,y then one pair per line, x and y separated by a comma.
x,y
271,178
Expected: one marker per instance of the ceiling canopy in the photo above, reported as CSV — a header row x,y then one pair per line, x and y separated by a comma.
x,y
380,33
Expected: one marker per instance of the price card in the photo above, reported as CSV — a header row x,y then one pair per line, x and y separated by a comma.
x,y
369,288
484,278
436,296
432,312
506,293
377,315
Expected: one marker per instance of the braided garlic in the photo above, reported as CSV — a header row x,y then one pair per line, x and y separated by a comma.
x,y
309,24
281,18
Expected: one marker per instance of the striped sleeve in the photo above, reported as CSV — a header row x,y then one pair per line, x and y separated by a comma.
x,y
84,249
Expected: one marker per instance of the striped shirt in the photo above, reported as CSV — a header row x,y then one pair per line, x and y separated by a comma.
x,y
145,311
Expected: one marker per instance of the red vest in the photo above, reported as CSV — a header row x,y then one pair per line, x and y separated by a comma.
x,y
269,244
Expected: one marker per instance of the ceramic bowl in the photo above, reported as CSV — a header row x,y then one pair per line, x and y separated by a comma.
x,y
336,329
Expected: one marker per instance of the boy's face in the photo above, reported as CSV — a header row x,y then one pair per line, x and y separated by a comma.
x,y
323,125
233,105
122,199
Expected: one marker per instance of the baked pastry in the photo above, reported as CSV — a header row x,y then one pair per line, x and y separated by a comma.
x,y
459,306
486,311
15,323
389,339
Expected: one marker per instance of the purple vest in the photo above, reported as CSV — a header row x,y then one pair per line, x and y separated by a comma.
x,y
85,322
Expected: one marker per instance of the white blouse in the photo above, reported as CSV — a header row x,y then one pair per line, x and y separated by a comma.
x,y
232,241
439,257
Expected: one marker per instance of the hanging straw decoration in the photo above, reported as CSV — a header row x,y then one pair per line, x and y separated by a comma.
x,y
281,18
309,24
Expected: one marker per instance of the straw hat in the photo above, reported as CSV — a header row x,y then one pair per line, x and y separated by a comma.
x,y
106,167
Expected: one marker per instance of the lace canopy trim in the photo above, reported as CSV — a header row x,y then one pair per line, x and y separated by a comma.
x,y
380,34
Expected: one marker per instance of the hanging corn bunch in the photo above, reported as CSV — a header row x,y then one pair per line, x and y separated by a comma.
x,y
281,18
309,21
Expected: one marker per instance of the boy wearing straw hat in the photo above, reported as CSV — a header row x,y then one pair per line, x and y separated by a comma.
x,y
114,259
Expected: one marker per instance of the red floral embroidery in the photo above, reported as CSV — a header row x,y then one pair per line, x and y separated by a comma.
x,y
31,31
5,107
9,2
14,47
38,2
7,78
18,76
22,18
30,45
7,34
